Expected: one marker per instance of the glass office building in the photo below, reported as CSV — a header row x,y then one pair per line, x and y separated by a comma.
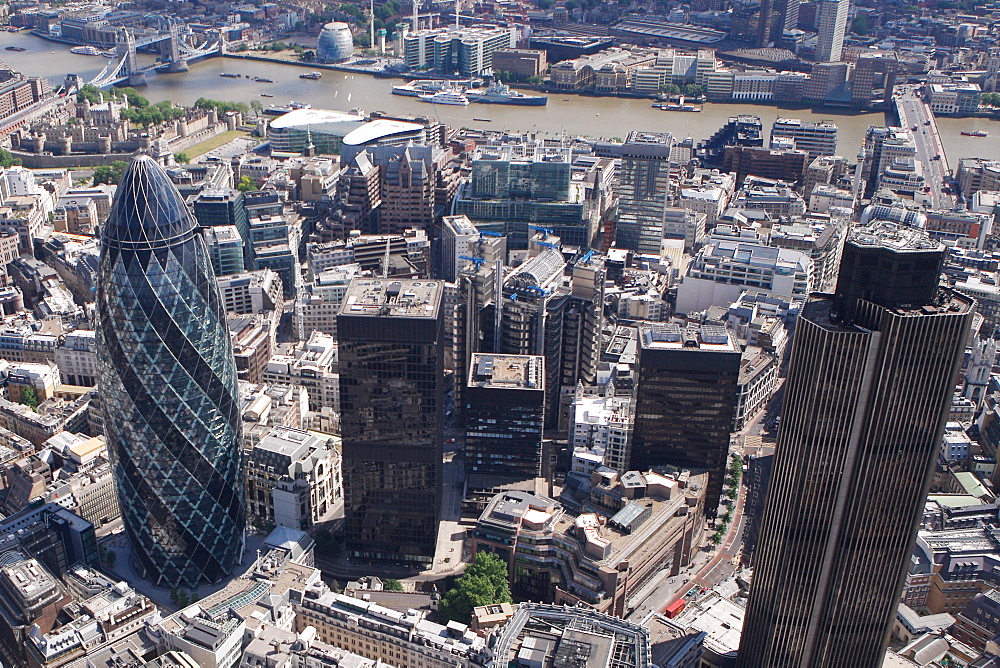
x,y
168,386
870,382
513,188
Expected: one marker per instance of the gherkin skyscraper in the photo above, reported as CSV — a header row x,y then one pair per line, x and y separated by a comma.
x,y
168,386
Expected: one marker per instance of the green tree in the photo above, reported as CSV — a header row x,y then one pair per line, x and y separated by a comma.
x,y
246,184
222,107
535,80
859,26
183,598
89,92
7,158
670,89
483,583
392,585
110,174
257,107
694,90
182,158
29,397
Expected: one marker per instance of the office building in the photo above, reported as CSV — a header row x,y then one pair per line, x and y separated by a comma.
x,y
870,380
388,636
477,315
318,302
324,130
777,16
874,72
458,237
218,207
824,79
600,431
630,527
643,190
686,401
954,98
293,479
816,139
335,43
520,63
515,186
883,147
831,25
504,412
225,249
743,130
161,326
722,270
392,408
556,635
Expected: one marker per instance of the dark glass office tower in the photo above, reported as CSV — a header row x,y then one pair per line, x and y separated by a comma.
x,y
168,386
870,380
392,409
776,16
504,414
686,401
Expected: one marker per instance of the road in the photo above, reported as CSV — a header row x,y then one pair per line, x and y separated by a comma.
x,y
709,567
914,112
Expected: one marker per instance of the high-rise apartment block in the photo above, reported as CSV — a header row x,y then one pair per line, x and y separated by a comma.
x,y
167,376
392,408
831,25
468,51
870,380
686,401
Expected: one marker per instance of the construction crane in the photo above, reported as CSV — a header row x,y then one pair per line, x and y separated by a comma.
x,y
478,261
587,256
548,244
546,231
534,289
489,233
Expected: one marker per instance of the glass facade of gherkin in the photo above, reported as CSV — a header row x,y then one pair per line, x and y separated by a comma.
x,y
168,386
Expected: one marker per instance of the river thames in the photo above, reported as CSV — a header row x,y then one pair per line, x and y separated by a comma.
x,y
571,115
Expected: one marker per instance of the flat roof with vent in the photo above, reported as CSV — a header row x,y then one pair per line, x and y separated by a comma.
x,y
666,336
521,372
390,297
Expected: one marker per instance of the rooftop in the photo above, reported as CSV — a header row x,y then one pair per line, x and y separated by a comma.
x,y
403,298
507,371
377,129
900,238
670,336
319,120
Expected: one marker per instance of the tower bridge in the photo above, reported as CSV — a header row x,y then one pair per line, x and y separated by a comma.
x,y
177,51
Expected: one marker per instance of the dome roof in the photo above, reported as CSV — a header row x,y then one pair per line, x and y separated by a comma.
x,y
147,210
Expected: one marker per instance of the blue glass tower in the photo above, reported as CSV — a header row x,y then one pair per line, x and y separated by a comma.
x,y
168,386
